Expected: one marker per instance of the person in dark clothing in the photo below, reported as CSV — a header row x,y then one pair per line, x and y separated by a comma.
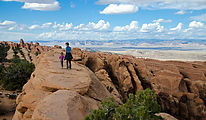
x,y
68,56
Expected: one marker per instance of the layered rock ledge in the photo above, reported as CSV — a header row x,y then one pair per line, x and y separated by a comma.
x,y
53,93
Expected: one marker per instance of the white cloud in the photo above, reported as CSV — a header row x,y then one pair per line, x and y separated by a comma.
x,y
195,24
101,25
42,5
66,26
46,25
181,12
162,20
199,18
161,4
16,36
80,27
133,26
152,27
120,9
34,1
50,26
34,27
101,31
178,28
73,35
11,28
195,28
7,24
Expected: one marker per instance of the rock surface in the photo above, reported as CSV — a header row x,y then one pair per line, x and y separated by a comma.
x,y
166,116
53,93
180,86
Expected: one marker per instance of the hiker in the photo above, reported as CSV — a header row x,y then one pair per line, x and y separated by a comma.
x,y
61,58
68,56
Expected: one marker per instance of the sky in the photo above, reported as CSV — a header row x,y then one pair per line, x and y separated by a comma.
x,y
102,19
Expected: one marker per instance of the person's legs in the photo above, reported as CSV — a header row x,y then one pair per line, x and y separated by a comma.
x,y
70,64
67,63
62,63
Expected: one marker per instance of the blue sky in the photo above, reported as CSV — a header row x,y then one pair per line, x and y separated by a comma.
x,y
102,19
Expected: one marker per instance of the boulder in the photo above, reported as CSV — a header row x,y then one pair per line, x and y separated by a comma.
x,y
77,54
64,105
57,46
166,116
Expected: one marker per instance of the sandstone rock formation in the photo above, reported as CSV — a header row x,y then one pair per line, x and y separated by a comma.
x,y
57,46
21,43
166,116
180,86
53,93
77,54
28,51
10,54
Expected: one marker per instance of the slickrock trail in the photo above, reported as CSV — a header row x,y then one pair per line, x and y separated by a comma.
x,y
53,93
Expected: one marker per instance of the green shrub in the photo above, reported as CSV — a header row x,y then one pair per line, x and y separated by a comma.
x,y
29,56
17,74
1,72
12,96
142,106
36,53
15,60
105,112
22,53
3,52
15,50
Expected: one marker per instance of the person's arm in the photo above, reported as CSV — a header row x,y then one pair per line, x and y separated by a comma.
x,y
65,51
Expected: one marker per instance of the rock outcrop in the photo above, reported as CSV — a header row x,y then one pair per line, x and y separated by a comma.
x,y
180,86
77,54
27,51
53,93
166,116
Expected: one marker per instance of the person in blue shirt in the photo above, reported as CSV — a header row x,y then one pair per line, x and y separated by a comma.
x,y
68,56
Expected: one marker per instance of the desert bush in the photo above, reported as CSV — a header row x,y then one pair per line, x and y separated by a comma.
x,y
15,50
22,53
142,106
3,52
17,74
36,53
12,96
29,56
1,72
